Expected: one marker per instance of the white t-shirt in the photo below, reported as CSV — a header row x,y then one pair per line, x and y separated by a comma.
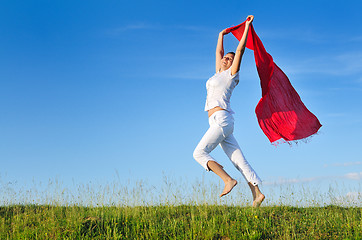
x,y
219,89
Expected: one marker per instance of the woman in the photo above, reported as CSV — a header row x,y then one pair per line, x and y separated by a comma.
x,y
219,90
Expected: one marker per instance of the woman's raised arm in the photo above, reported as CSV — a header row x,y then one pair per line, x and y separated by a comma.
x,y
235,67
220,50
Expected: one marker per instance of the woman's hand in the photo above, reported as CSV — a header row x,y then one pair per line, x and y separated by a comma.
x,y
223,32
249,19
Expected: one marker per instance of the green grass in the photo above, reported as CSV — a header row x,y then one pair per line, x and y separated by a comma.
x,y
179,222
177,210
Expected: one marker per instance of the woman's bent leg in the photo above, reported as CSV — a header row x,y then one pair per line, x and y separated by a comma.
x,y
213,136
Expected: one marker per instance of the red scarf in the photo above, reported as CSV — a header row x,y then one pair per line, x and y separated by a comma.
x,y
280,112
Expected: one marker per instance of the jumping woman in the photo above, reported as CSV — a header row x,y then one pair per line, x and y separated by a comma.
x,y
219,89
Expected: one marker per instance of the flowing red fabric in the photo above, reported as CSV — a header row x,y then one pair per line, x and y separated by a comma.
x,y
280,112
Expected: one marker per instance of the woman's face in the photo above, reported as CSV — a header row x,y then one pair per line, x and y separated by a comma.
x,y
227,61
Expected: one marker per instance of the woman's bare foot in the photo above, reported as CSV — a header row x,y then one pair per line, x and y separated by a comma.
x,y
229,185
258,200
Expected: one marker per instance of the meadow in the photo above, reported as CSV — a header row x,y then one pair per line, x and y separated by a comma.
x,y
145,212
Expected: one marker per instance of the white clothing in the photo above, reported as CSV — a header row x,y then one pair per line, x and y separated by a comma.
x,y
219,89
221,132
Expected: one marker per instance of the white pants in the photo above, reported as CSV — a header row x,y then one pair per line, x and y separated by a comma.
x,y
221,132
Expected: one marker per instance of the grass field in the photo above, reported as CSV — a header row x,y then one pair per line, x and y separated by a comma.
x,y
179,222
170,212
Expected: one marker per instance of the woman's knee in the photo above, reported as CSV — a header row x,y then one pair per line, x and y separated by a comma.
x,y
198,153
202,157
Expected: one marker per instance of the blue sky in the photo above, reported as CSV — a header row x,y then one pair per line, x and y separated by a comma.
x,y
91,91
